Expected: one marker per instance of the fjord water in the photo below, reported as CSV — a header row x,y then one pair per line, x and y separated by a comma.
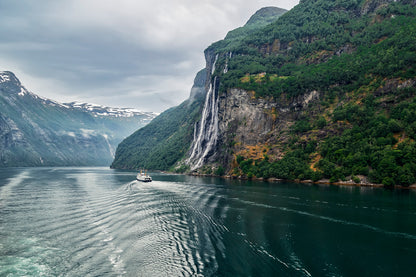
x,y
100,222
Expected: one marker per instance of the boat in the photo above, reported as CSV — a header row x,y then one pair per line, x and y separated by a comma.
x,y
143,177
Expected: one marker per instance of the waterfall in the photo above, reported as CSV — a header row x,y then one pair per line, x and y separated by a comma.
x,y
214,64
226,62
205,137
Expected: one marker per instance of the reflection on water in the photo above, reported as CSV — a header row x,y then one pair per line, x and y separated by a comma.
x,y
100,222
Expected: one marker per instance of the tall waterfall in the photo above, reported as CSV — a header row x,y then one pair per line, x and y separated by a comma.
x,y
206,130
205,137
230,54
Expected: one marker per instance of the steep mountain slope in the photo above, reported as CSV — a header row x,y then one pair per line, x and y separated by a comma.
x,y
39,132
318,94
326,91
166,140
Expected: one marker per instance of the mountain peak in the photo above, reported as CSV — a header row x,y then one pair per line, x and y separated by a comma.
x,y
12,87
37,131
7,76
9,82
261,18
265,16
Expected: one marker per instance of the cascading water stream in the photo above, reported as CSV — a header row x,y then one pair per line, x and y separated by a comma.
x,y
226,62
206,138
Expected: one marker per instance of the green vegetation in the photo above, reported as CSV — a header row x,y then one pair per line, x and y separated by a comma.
x,y
369,146
259,20
349,56
293,166
372,141
161,143
330,46
359,56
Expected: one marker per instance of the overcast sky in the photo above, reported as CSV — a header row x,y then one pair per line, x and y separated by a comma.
x,y
125,53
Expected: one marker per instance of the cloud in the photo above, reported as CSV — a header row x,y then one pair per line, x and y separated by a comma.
x,y
144,52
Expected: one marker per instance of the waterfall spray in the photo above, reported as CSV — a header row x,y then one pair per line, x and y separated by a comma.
x,y
206,138
206,131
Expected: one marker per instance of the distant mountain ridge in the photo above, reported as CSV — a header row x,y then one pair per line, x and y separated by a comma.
x,y
35,131
99,110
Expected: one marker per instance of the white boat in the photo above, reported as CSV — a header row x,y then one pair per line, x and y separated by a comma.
x,y
143,177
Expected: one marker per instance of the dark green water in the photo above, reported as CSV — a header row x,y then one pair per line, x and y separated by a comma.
x,y
99,222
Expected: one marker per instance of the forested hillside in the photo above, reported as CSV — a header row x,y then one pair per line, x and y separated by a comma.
x,y
360,57
326,91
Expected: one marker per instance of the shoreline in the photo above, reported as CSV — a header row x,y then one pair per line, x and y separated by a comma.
x,y
350,183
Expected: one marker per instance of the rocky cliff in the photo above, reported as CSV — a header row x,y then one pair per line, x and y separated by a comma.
x,y
252,125
40,132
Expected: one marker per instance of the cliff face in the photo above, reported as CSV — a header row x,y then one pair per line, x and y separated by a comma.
x,y
40,132
236,122
250,126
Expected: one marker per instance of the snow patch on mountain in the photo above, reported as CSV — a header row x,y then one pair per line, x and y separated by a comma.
x,y
8,78
99,110
4,77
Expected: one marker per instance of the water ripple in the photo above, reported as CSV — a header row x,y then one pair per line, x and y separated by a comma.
x,y
91,222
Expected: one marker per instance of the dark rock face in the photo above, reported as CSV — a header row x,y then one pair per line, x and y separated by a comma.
x,y
236,121
198,89
247,123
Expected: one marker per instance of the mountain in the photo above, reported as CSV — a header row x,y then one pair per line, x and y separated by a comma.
x,y
102,111
35,131
261,18
166,140
325,92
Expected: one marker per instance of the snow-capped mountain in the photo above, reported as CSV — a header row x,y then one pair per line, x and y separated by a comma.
x,y
36,131
98,110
